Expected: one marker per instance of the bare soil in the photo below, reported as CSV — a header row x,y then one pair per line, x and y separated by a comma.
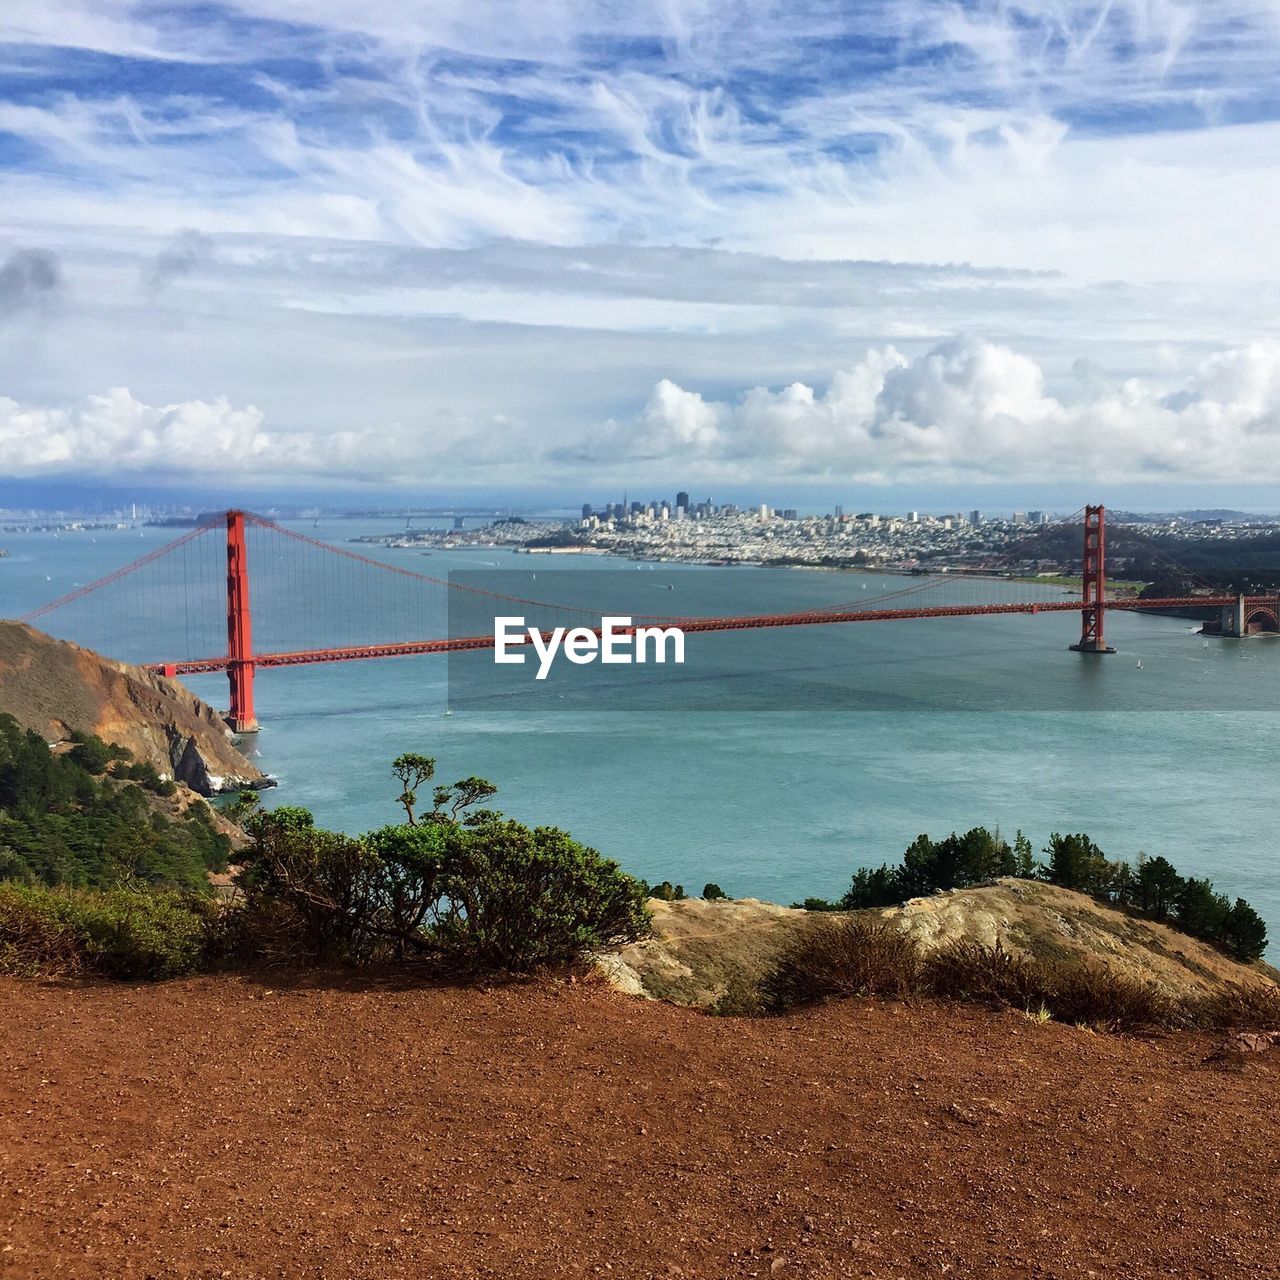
x,y
232,1127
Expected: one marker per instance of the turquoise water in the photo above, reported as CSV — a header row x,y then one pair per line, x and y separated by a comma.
x,y
878,732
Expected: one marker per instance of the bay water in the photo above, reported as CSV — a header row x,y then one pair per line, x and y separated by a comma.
x,y
865,735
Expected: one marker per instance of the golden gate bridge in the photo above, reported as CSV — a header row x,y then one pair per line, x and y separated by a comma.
x,y
325,584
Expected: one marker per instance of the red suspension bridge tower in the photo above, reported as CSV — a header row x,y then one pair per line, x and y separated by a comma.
x,y
1094,593
239,628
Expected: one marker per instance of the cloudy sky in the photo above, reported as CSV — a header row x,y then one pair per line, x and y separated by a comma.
x,y
571,246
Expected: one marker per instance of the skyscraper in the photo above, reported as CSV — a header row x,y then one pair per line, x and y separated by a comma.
x,y
682,500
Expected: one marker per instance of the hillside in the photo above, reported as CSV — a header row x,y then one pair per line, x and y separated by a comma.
x,y
55,687
702,950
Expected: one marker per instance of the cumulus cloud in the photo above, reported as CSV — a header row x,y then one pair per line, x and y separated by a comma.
x,y
968,409
116,433
28,278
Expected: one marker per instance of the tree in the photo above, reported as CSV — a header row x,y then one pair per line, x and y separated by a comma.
x,y
882,887
1024,858
1244,932
412,770
1158,887
1199,910
1075,862
714,893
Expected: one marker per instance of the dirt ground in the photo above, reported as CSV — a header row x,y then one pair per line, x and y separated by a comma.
x,y
229,1127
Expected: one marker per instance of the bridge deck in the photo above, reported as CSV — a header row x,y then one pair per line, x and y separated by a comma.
x,y
458,644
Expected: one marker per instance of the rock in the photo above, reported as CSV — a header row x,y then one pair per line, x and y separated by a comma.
x,y
57,688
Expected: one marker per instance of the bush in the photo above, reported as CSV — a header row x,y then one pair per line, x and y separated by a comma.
x,y
869,956
479,891
117,934
1255,1007
35,939
1090,994
984,974
714,893
856,956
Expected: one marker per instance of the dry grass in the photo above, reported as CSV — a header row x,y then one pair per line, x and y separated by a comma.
x,y
859,955
867,955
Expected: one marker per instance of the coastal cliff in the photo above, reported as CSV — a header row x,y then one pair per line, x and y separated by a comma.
x,y
56,688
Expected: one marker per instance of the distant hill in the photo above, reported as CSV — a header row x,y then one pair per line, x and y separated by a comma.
x,y
55,688
1224,514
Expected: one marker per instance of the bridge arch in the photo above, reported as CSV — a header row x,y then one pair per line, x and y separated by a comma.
x,y
1262,619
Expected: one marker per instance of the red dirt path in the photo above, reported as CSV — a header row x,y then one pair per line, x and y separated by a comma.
x,y
219,1128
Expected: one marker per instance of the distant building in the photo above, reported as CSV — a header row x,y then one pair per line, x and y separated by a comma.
x,y
682,500
586,511
1019,517
764,511
839,511
913,517
975,517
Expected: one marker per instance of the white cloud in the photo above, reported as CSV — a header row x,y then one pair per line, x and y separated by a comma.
x,y
968,409
115,433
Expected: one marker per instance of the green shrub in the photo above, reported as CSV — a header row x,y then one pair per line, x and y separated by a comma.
x,y
861,955
36,940
477,891
120,933
520,898
714,893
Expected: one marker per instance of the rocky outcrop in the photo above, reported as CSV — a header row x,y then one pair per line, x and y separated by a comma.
x,y
55,688
702,951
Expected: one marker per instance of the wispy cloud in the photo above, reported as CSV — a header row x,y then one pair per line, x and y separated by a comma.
x,y
536,212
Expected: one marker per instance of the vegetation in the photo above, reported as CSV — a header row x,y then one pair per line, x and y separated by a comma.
x,y
714,893
665,892
866,955
1152,888
458,883
116,933
82,819
98,878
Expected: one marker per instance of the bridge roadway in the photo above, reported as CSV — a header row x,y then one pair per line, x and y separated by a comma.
x,y
460,644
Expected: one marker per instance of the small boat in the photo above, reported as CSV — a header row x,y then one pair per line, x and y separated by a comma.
x,y
1139,664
